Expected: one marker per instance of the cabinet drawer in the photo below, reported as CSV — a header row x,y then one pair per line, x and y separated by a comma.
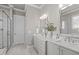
x,y
39,45
52,49
68,52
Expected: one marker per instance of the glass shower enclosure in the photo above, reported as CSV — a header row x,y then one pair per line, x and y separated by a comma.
x,y
5,30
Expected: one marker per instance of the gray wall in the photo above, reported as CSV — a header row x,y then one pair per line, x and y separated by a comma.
x,y
52,10
32,22
53,16
33,19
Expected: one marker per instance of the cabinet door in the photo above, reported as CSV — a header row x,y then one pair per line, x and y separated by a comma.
x,y
68,52
35,43
39,45
52,49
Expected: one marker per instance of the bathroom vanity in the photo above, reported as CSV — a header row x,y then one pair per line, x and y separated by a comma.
x,y
47,46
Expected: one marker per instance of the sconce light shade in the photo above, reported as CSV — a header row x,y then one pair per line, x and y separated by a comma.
x,y
44,16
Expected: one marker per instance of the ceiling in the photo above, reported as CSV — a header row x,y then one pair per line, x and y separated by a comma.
x,y
5,4
19,6
38,5
22,6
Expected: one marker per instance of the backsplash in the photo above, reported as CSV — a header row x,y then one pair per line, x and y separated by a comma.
x,y
70,39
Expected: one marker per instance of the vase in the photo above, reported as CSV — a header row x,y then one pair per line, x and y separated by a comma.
x,y
50,34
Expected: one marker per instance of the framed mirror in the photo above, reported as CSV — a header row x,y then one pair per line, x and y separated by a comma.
x,y
69,19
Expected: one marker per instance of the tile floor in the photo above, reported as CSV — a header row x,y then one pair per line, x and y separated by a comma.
x,y
20,49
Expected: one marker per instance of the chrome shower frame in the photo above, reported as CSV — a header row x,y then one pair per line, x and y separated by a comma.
x,y
9,30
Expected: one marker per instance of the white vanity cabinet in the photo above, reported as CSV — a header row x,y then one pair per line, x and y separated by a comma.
x,y
64,51
52,49
39,45
35,43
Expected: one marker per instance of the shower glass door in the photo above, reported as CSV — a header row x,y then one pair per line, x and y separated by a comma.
x,y
5,40
1,43
5,30
1,30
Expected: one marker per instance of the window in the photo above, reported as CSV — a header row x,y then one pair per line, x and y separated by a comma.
x,y
75,22
63,24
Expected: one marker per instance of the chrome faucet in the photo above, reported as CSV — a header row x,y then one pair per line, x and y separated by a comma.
x,y
57,36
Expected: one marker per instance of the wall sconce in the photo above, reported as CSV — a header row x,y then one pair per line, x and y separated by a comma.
x,y
44,16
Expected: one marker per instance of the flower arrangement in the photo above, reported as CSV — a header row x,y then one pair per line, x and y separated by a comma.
x,y
50,27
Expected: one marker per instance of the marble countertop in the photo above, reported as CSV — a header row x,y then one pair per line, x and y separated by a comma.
x,y
61,43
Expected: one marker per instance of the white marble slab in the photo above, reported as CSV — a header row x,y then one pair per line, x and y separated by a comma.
x,y
70,46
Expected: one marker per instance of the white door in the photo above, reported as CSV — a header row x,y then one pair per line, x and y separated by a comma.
x,y
18,29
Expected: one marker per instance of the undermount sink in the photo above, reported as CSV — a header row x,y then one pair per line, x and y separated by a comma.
x,y
67,41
